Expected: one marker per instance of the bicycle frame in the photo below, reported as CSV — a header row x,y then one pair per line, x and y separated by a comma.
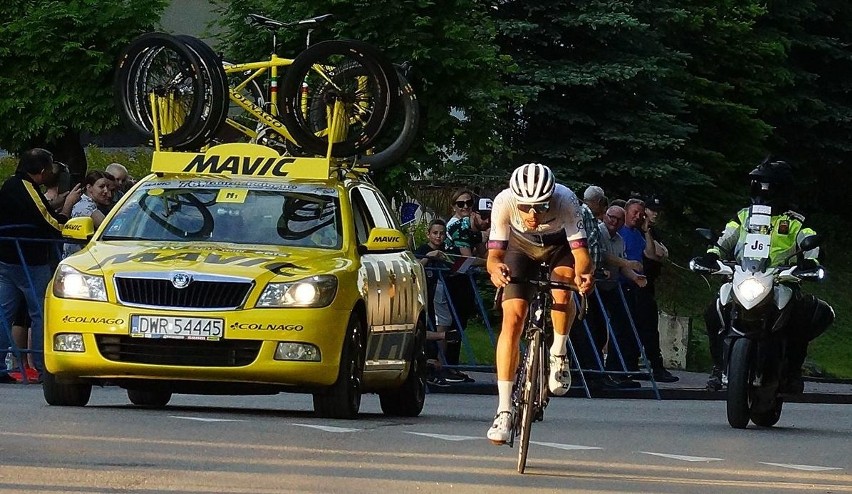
x,y
268,118
530,393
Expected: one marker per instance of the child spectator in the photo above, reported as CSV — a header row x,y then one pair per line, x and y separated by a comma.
x,y
432,255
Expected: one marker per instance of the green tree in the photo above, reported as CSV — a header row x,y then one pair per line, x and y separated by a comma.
x,y
813,128
731,77
596,103
58,59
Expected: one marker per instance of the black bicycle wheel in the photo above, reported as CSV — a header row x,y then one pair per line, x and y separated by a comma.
x,y
401,131
335,71
215,95
530,391
161,64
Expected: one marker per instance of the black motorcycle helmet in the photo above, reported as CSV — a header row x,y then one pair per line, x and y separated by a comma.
x,y
771,184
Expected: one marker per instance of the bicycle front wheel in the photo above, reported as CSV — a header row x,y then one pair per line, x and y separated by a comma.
x,y
527,408
337,71
159,63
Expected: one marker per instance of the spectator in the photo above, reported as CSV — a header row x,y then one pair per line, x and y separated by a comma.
x,y
460,232
640,301
97,186
27,214
461,236
647,310
123,181
482,224
616,266
22,336
106,207
433,256
595,201
589,351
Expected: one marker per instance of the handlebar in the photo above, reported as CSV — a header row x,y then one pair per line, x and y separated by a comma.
x,y
559,285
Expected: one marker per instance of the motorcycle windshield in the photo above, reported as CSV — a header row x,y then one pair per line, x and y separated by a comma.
x,y
757,241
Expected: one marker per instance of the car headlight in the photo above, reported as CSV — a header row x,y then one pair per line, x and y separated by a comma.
x,y
316,291
70,283
752,289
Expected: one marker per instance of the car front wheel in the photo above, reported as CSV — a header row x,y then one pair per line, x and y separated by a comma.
x,y
343,399
408,399
61,394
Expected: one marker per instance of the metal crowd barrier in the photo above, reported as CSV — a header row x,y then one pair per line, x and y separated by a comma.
x,y
613,349
20,354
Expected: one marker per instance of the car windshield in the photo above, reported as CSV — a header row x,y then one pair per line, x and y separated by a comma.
x,y
229,211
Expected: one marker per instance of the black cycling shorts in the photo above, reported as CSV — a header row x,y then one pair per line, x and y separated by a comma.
x,y
524,255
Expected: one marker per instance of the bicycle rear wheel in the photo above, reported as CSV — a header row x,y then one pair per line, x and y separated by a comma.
x,y
401,131
337,71
527,408
161,64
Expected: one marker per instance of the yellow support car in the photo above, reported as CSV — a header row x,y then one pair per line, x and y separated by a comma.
x,y
239,271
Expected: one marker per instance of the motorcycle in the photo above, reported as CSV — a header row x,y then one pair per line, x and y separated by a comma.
x,y
755,301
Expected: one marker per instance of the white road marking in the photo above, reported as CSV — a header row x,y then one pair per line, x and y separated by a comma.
x,y
328,428
205,419
807,468
445,437
682,457
568,447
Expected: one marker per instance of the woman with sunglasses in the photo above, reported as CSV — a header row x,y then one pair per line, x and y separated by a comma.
x,y
532,221
461,238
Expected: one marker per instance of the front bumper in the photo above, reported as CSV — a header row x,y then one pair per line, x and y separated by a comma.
x,y
244,355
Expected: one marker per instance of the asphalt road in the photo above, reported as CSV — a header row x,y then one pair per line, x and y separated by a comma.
x,y
272,444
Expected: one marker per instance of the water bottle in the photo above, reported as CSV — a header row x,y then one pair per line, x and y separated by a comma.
x,y
10,359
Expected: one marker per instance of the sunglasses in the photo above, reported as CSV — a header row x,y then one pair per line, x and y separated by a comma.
x,y
613,217
464,204
538,208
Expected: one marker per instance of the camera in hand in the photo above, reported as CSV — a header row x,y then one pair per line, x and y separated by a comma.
x,y
64,177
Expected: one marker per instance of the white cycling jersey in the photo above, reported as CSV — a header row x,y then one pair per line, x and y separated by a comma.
x,y
564,214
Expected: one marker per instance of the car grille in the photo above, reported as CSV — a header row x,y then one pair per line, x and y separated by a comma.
x,y
165,351
197,295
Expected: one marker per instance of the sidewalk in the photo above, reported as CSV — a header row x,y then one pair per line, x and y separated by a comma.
x,y
689,387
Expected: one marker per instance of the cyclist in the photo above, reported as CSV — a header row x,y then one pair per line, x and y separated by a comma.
x,y
534,220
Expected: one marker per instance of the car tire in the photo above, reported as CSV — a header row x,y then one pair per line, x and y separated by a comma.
x,y
342,400
408,399
65,394
149,398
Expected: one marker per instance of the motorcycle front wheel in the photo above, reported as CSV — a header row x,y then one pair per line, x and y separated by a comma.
x,y
739,383
770,417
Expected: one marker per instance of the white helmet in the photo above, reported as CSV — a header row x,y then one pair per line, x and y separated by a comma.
x,y
532,183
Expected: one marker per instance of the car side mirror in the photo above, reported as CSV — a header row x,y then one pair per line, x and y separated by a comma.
x,y
384,240
81,228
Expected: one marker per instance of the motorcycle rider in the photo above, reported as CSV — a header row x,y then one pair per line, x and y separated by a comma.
x,y
771,184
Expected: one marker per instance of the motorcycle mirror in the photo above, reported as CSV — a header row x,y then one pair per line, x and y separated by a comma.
x,y
705,233
811,242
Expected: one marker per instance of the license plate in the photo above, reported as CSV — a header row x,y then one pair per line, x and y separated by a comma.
x,y
184,328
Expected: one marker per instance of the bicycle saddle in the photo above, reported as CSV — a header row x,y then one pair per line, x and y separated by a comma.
x,y
272,24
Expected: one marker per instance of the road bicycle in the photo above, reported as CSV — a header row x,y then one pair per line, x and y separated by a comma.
x,y
396,138
190,82
530,393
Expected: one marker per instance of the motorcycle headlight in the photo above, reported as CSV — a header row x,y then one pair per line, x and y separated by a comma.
x,y
752,289
70,283
316,291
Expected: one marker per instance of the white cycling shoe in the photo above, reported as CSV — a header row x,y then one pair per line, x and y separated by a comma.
x,y
560,375
501,429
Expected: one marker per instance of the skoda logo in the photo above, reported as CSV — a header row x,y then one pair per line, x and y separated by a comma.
x,y
181,280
